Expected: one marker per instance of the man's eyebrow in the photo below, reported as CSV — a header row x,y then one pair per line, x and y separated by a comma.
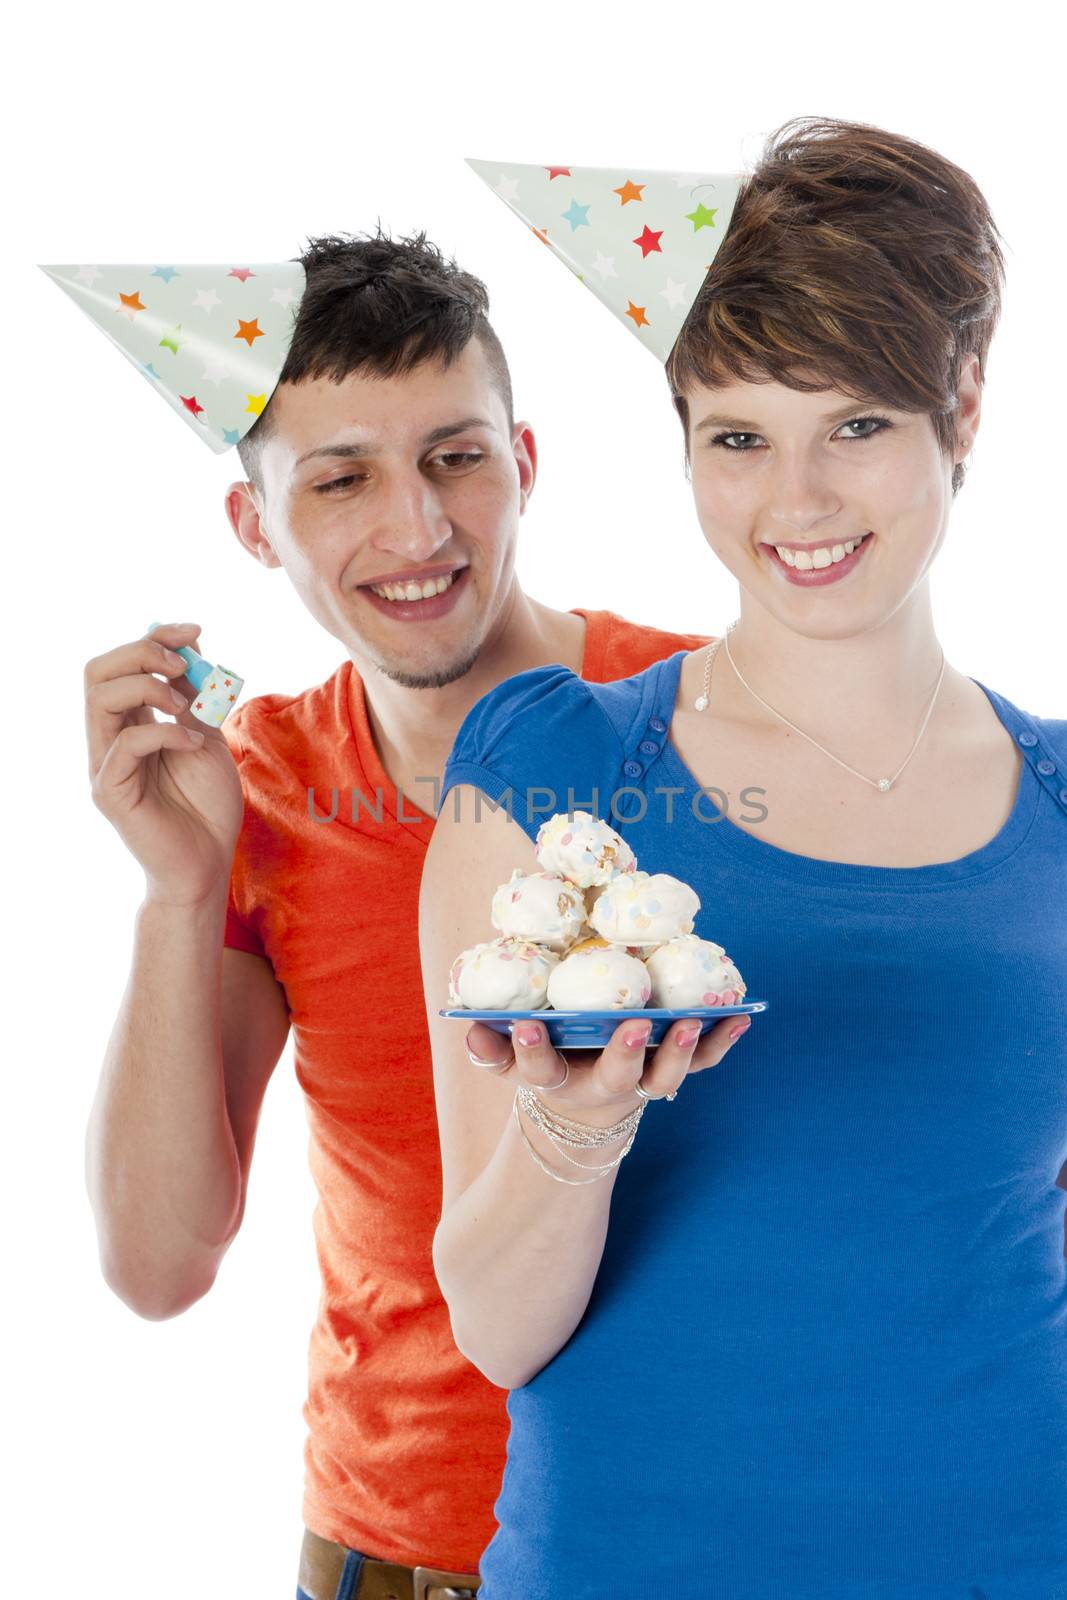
x,y
447,429
716,419
354,452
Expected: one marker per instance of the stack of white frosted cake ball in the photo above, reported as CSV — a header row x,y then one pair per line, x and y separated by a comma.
x,y
589,932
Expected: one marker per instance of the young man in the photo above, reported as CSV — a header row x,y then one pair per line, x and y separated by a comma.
x,y
387,477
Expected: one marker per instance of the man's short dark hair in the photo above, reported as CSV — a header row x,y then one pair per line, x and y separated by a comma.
x,y
380,305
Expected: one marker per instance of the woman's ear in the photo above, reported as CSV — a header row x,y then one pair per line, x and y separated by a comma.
x,y
681,406
969,409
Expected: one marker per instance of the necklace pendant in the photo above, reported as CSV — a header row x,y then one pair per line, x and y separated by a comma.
x,y
700,703
884,784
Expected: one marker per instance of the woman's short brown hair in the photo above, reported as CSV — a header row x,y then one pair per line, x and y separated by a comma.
x,y
858,257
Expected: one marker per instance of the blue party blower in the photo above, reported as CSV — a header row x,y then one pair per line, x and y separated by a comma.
x,y
216,687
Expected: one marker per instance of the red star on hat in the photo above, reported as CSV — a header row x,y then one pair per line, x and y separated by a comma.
x,y
648,241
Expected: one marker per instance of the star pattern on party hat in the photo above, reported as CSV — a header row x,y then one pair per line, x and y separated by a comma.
x,y
640,240
211,339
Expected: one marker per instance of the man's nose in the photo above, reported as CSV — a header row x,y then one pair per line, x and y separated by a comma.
x,y
411,519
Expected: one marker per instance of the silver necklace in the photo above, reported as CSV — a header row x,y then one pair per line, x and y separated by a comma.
x,y
883,784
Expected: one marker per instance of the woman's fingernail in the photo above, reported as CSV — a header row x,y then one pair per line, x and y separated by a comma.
x,y
638,1036
528,1036
735,1033
687,1037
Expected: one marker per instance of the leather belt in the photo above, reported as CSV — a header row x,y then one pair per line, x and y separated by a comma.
x,y
322,1562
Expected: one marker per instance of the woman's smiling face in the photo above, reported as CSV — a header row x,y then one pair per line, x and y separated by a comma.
x,y
774,468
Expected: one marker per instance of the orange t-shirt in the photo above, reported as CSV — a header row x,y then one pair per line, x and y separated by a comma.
x,y
406,1442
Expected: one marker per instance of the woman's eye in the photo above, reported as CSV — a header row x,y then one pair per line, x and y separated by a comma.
x,y
880,424
721,438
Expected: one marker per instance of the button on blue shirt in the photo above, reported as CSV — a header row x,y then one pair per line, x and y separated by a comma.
x,y
825,1354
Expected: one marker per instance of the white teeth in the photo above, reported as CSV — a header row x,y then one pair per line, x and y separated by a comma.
x,y
825,556
412,590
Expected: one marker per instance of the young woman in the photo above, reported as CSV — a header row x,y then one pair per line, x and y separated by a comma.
x,y
819,1347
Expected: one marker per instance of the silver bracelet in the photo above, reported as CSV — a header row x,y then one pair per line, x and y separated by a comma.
x,y
576,1183
579,1134
541,1115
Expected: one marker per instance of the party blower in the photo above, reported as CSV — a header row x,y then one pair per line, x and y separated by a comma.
x,y
217,687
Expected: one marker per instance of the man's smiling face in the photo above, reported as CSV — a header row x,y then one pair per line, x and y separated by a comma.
x,y
377,482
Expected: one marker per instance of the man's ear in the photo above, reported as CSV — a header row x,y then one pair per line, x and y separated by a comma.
x,y
244,509
524,446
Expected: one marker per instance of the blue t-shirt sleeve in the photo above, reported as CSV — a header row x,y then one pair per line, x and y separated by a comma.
x,y
537,743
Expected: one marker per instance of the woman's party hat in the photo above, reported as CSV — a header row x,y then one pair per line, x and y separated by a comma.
x,y
642,241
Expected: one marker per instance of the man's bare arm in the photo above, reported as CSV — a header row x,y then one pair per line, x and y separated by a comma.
x,y
200,1028
172,1129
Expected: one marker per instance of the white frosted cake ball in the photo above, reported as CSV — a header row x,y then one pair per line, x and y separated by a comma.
x,y
583,848
645,908
501,975
597,976
542,906
689,971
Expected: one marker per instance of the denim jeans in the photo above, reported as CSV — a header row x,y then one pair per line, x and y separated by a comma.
x,y
346,1588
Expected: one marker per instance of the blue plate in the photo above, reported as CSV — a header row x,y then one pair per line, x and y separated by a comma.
x,y
591,1030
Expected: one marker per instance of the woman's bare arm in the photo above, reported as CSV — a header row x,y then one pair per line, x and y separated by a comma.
x,y
516,1252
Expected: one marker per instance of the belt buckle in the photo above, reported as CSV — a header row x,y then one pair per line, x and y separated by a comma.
x,y
450,1583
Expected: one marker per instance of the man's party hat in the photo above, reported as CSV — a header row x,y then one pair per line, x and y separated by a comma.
x,y
211,339
642,241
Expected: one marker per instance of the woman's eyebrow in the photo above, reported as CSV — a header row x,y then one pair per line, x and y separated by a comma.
x,y
716,419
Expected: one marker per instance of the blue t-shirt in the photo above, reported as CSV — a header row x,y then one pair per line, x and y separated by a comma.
x,y
826,1350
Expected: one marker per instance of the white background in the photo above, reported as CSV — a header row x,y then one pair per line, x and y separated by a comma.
x,y
164,1459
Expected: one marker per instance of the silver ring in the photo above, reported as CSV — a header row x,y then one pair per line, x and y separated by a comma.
x,y
566,1074
487,1061
646,1096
